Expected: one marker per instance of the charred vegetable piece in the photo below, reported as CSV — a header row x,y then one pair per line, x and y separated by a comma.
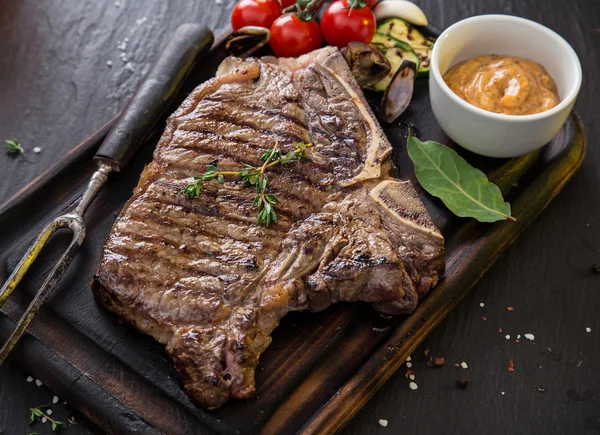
x,y
401,9
398,94
368,65
247,40
402,31
395,52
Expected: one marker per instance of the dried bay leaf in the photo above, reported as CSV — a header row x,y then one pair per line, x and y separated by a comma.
x,y
465,190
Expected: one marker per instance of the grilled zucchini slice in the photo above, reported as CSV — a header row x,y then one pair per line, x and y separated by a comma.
x,y
402,31
395,52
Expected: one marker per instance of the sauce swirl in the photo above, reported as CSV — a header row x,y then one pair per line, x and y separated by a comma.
x,y
503,84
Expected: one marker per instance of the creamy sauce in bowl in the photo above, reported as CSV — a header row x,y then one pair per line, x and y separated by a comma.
x,y
503,84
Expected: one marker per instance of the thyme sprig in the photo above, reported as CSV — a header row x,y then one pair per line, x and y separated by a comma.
x,y
37,414
264,201
13,146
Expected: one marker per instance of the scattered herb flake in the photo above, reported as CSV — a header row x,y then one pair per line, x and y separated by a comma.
x,y
13,146
38,414
511,366
462,382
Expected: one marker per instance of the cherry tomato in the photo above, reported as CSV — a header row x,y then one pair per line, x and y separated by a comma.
x,y
342,25
291,37
259,13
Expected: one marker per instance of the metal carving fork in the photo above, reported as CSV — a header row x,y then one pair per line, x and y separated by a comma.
x,y
132,128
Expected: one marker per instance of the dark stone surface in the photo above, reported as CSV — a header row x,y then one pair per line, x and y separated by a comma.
x,y
56,88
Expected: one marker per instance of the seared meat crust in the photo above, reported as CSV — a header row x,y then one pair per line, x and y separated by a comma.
x,y
203,279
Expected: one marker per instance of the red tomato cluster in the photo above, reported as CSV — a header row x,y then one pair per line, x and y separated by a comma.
x,y
294,34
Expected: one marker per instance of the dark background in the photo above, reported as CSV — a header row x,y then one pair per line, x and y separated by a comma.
x,y
56,87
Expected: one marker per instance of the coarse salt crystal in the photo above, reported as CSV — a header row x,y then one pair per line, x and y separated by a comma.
x,y
129,66
44,419
503,393
109,62
117,4
383,422
464,365
518,336
55,399
412,377
530,337
49,411
29,379
38,382
588,329
37,150
413,386
409,358
507,337
481,304
409,364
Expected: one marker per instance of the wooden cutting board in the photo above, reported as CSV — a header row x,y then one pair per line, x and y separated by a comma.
x,y
320,369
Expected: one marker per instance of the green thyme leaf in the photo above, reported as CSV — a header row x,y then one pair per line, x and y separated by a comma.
x,y
264,201
465,190
13,146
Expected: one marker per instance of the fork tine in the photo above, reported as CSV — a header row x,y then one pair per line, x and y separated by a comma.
x,y
27,260
46,290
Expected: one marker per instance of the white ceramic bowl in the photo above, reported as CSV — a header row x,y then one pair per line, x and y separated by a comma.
x,y
493,134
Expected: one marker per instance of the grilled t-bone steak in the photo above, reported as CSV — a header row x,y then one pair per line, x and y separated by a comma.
x,y
202,278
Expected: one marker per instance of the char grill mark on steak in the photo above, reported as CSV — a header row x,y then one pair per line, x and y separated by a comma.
x,y
202,278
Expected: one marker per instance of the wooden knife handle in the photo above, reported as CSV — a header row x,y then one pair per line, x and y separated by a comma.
x,y
153,97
